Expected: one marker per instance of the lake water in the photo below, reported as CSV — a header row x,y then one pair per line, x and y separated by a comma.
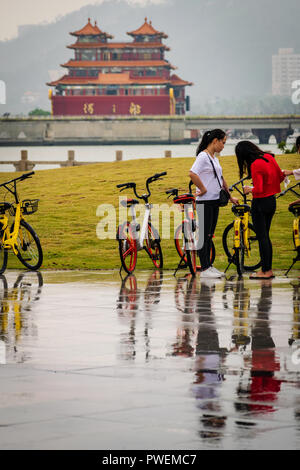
x,y
107,153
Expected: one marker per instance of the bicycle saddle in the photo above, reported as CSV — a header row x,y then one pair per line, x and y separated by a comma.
x,y
295,208
129,202
241,208
184,198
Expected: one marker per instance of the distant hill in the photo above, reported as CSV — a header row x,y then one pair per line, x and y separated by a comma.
x,y
224,47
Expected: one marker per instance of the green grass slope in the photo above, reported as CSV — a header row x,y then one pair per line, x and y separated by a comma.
x,y
69,197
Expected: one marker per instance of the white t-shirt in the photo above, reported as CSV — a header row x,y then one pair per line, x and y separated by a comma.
x,y
203,168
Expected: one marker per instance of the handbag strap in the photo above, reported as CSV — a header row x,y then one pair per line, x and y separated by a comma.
x,y
216,176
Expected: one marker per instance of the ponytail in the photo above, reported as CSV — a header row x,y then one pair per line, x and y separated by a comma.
x,y
208,137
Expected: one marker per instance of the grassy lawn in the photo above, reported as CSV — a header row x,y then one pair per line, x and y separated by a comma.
x,y
66,220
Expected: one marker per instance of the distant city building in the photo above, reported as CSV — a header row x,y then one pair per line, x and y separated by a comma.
x,y
109,78
285,70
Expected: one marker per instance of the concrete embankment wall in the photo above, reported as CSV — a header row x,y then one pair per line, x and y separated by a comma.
x,y
84,131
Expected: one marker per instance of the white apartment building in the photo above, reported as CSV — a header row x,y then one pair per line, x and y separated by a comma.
x,y
285,70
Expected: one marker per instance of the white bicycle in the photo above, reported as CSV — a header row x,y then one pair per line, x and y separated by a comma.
x,y
131,237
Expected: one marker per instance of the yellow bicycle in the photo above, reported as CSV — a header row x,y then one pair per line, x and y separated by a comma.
x,y
239,237
20,236
295,209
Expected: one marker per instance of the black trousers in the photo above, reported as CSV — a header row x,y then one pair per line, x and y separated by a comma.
x,y
263,210
211,214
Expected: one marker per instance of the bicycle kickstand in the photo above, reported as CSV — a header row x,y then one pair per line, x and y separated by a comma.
x,y
230,262
294,261
179,264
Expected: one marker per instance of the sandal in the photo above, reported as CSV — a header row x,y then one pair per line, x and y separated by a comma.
x,y
261,277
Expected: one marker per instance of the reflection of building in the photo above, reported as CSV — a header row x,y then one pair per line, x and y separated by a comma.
x,y
108,78
285,70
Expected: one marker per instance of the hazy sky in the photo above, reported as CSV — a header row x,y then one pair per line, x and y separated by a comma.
x,y
15,13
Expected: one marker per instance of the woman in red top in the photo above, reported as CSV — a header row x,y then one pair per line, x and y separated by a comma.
x,y
266,176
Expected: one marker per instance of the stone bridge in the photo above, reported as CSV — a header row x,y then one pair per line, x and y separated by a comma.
x,y
136,130
262,126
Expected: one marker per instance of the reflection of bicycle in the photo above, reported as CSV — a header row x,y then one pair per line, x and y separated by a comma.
x,y
295,337
185,236
20,237
128,309
30,283
15,303
239,237
295,209
128,237
128,297
240,304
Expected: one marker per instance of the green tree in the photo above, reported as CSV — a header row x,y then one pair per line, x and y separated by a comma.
x,y
39,112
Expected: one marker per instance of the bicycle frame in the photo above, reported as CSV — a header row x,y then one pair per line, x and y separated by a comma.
x,y
9,239
241,219
143,232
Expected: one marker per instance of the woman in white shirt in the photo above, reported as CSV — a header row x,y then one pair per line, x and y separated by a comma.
x,y
206,174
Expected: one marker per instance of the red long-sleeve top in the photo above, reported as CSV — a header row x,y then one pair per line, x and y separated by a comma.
x,y
266,177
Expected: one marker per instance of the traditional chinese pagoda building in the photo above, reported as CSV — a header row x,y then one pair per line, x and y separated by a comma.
x,y
110,78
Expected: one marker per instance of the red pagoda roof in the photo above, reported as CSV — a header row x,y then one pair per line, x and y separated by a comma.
x,y
90,30
177,81
115,79
119,45
117,63
147,30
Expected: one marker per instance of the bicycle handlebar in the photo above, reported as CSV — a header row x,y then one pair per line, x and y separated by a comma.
x,y
14,180
20,178
283,193
234,186
150,180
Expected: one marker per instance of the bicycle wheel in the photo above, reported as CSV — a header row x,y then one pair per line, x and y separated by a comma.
x,y
179,248
30,252
3,258
251,262
127,248
153,247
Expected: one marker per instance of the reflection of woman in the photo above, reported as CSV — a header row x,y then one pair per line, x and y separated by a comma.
x,y
208,376
264,386
185,299
266,176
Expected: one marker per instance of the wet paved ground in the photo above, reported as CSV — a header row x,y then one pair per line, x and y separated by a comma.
x,y
153,362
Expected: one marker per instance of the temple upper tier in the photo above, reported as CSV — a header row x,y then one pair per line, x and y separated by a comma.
x,y
119,78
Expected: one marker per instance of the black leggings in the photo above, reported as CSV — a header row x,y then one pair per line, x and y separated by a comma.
x,y
263,210
211,213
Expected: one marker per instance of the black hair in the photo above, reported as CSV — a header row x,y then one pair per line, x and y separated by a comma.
x,y
208,137
298,144
246,153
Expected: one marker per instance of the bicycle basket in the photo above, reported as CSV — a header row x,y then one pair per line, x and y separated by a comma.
x,y
29,206
4,206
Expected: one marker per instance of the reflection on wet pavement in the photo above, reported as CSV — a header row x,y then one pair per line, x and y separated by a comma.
x,y
89,360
